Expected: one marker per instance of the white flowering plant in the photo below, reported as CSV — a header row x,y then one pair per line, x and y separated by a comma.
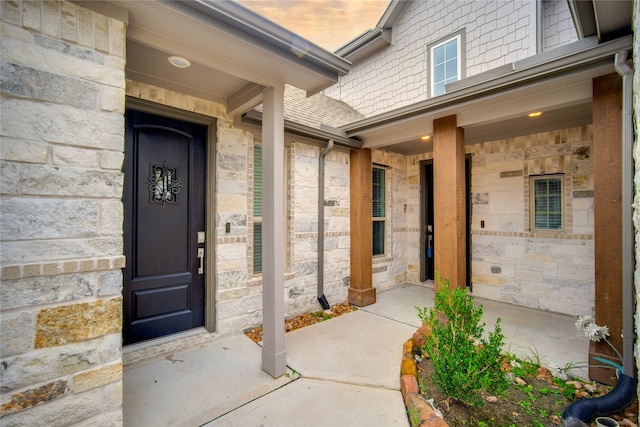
x,y
588,326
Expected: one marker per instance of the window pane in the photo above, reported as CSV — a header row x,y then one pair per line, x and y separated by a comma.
x,y
444,67
547,206
452,70
378,199
541,204
257,180
378,209
555,221
378,237
438,55
554,186
438,89
257,247
438,73
452,49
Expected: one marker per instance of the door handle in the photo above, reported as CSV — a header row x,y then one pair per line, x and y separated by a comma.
x,y
201,260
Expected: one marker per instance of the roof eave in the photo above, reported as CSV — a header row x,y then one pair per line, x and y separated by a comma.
x,y
254,118
377,38
366,44
516,74
277,39
393,12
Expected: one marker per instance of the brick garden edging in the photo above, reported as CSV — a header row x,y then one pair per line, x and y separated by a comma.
x,y
419,411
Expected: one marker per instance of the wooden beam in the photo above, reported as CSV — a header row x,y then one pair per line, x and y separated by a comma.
x,y
607,171
361,290
449,201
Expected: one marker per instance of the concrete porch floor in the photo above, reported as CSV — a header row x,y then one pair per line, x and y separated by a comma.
x,y
344,372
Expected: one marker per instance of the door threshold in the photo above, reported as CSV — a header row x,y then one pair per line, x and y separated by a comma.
x,y
159,347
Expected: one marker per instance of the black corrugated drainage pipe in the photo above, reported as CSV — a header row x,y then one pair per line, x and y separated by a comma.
x,y
321,298
617,399
625,390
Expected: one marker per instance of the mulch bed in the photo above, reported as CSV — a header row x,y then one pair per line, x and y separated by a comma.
x,y
305,320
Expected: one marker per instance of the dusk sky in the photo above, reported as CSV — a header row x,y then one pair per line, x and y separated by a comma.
x,y
327,23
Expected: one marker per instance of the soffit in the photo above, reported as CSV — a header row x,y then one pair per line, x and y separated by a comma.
x,y
607,19
497,108
230,59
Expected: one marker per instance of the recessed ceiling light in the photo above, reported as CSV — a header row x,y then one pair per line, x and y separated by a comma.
x,y
425,137
180,62
535,114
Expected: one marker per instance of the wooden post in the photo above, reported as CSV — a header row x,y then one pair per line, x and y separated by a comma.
x,y
449,201
361,290
607,172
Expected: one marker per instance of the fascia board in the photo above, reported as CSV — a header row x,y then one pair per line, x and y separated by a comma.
x,y
246,24
583,17
377,38
393,12
365,45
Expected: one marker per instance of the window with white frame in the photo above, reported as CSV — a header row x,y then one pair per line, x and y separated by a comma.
x,y
378,210
546,202
445,60
257,207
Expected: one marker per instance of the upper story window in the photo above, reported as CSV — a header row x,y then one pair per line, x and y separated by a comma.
x,y
378,210
546,202
445,59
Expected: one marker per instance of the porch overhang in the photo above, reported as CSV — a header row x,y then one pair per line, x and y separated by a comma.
x,y
495,104
235,53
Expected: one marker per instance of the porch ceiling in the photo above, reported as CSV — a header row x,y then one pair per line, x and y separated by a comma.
x,y
497,106
234,52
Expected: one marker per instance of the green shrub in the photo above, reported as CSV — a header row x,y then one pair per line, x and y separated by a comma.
x,y
465,363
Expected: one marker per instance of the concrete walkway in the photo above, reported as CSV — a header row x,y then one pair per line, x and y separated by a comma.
x,y
344,372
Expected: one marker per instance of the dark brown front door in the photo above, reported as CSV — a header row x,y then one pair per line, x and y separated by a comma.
x,y
164,202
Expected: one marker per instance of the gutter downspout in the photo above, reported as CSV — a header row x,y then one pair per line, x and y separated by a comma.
x,y
625,391
628,335
321,298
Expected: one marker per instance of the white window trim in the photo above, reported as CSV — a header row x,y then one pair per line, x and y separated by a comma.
x,y
461,63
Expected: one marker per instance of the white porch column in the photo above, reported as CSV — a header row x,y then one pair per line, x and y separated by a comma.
x,y
273,354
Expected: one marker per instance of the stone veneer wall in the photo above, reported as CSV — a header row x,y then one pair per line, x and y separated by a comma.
x,y
301,288
545,270
403,218
238,289
62,150
510,263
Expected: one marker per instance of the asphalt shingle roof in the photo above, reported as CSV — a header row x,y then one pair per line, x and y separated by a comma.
x,y
316,110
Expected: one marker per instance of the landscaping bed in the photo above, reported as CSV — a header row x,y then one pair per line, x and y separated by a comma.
x,y
534,398
305,320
